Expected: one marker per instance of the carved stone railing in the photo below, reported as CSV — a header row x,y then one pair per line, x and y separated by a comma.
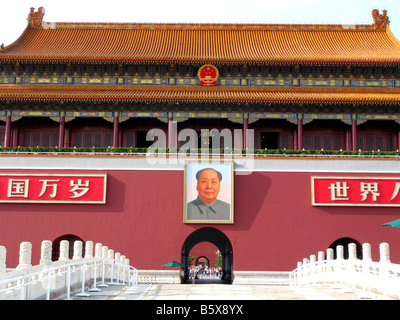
x,y
59,279
365,277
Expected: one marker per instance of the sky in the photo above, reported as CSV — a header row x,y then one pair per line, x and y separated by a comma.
x,y
15,12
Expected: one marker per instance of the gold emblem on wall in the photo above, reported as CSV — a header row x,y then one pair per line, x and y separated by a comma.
x,y
208,75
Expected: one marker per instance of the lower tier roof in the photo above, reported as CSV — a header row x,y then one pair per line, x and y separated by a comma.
x,y
227,94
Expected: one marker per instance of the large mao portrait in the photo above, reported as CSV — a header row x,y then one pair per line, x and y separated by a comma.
x,y
208,193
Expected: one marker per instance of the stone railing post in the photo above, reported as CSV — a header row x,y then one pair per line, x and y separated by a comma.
x,y
339,263
89,250
104,253
339,253
104,267
77,250
384,265
321,262
366,247
329,260
321,256
352,251
123,268
25,256
110,257
3,255
97,254
384,253
45,255
89,256
25,263
350,268
64,254
329,254
118,265
77,256
64,250
366,267
313,260
98,250
128,271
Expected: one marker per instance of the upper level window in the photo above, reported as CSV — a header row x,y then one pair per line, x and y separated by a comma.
x,y
318,141
92,138
370,142
42,138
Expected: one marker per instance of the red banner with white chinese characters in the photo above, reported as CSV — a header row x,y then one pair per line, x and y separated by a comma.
x,y
355,191
53,188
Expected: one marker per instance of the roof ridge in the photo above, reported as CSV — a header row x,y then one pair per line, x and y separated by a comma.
x,y
214,26
381,22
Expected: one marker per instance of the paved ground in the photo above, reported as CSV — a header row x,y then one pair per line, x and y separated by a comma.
x,y
218,292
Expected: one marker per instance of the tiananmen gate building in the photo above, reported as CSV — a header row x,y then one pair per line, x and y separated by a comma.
x,y
96,120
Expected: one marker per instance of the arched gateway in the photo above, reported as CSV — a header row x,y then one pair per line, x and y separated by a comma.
x,y
220,240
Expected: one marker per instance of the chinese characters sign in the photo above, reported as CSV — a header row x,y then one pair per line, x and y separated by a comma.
x,y
355,191
49,188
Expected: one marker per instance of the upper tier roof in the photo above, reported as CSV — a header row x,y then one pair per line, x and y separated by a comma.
x,y
200,43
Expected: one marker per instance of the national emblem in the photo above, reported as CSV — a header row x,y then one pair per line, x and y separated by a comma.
x,y
208,75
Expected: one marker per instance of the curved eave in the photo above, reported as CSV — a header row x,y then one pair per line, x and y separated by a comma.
x,y
16,43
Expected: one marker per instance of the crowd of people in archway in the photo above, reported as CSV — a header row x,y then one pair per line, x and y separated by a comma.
x,y
202,272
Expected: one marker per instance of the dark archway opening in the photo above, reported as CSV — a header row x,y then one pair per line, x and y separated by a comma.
x,y
345,243
221,241
202,260
71,239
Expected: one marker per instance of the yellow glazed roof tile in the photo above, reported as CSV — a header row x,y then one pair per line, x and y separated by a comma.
x,y
196,94
213,43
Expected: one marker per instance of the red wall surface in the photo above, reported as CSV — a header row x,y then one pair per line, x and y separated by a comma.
x,y
275,223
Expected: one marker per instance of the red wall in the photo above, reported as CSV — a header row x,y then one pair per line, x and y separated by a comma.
x,y
275,224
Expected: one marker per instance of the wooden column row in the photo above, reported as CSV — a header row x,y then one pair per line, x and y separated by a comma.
x,y
299,137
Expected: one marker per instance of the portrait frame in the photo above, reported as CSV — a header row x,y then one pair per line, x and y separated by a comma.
x,y
225,195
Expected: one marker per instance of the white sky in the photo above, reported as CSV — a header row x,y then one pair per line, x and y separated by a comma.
x,y
15,12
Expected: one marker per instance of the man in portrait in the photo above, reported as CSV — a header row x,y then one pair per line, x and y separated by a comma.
x,y
206,206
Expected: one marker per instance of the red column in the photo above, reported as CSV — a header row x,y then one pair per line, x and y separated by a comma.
x,y
348,139
245,128
14,136
61,132
7,136
115,132
354,134
299,134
